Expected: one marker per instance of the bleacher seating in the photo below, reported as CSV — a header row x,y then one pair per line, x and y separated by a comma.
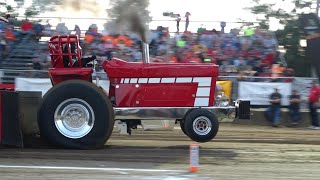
x,y
20,58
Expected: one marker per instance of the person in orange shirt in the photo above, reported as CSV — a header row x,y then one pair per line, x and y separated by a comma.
x,y
88,38
121,38
128,42
9,35
172,57
107,38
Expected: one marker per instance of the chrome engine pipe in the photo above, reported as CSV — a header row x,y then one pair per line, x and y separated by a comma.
x,y
145,53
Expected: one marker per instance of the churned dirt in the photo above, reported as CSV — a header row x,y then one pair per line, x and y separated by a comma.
x,y
238,152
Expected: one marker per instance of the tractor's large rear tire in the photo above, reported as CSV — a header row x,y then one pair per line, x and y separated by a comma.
x,y
76,114
201,125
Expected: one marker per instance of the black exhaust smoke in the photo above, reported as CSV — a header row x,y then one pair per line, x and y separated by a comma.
x,y
133,16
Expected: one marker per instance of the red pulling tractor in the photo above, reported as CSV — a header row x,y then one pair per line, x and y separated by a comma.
x,y
78,113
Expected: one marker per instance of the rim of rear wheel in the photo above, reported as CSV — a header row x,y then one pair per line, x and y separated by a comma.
x,y
202,125
74,118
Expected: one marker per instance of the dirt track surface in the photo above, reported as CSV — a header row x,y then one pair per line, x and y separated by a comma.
x,y
238,152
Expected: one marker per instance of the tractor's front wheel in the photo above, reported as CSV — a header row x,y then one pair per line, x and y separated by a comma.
x,y
76,114
201,125
182,126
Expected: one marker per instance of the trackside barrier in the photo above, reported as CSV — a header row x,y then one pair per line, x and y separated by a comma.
x,y
10,133
259,92
230,85
18,116
302,84
44,84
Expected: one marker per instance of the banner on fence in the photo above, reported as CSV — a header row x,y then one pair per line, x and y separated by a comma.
x,y
33,84
226,87
44,84
259,92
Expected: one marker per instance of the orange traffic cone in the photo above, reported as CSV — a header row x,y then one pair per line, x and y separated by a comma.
x,y
194,157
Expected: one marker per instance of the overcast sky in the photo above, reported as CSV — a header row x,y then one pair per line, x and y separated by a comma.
x,y
201,10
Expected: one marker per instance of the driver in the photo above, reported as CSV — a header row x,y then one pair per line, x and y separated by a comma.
x,y
74,58
65,51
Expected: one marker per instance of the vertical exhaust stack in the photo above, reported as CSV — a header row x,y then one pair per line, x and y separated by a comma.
x,y
145,53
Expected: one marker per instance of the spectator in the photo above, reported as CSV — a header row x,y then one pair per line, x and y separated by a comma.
x,y
218,90
26,27
47,31
9,37
294,108
313,100
178,22
195,58
3,46
2,26
36,63
249,31
273,112
93,31
201,29
108,48
9,34
187,21
268,42
62,29
206,58
137,54
38,29
172,57
77,30
258,68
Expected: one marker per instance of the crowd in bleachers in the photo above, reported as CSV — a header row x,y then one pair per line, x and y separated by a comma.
x,y
11,33
253,52
7,38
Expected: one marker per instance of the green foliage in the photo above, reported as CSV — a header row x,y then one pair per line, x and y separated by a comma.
x,y
290,36
34,9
